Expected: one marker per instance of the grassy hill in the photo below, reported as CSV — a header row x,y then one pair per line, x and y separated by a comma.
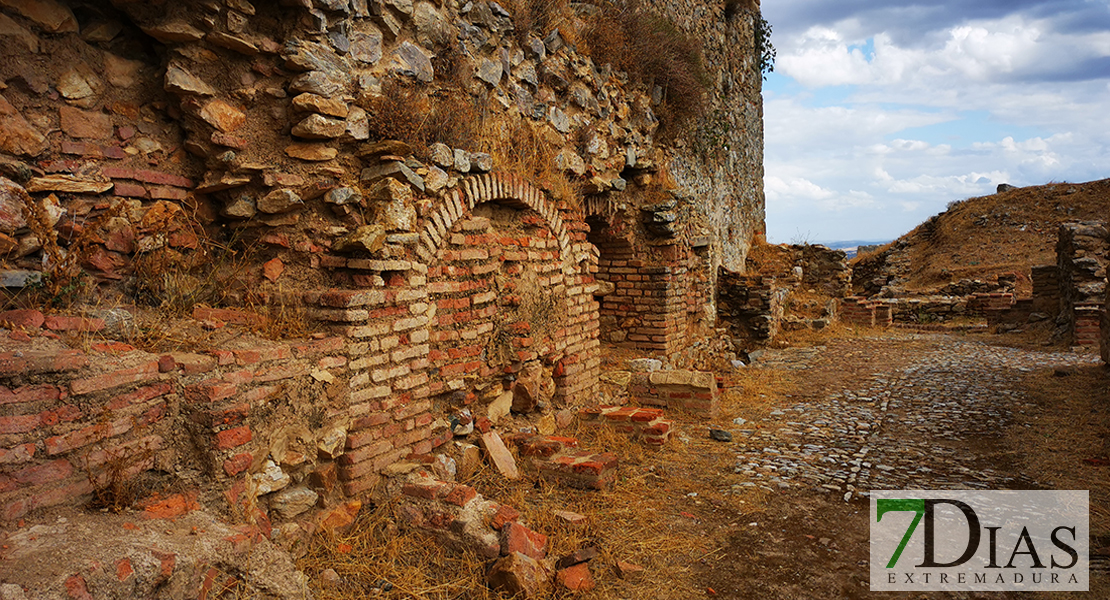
x,y
980,238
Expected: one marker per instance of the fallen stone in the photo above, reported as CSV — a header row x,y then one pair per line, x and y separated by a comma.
x,y
68,183
394,169
500,407
9,28
720,435
441,155
644,365
469,461
222,116
368,238
411,61
311,152
279,201
174,32
518,538
79,123
290,502
520,576
181,81
19,279
572,518
319,127
499,455
52,16
322,105
627,570
17,136
13,197
358,124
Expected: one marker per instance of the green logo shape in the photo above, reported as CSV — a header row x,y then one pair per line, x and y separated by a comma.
x,y
884,506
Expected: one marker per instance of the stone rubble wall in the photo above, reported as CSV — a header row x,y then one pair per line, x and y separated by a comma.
x,y
154,128
1082,253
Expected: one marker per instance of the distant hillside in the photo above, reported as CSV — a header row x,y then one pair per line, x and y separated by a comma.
x,y
981,238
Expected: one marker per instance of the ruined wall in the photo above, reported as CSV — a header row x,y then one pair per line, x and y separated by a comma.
x,y
1082,252
143,140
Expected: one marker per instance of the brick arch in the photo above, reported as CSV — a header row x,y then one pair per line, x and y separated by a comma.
x,y
502,188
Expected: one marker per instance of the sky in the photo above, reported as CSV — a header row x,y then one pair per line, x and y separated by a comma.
x,y
881,112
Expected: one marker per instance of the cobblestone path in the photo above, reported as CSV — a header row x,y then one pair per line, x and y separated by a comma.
x,y
917,419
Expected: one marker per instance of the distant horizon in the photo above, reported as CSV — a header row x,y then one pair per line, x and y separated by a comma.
x,y
877,115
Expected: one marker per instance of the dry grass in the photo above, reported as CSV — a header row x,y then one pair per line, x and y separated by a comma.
x,y
540,17
519,147
980,238
651,49
671,509
1055,442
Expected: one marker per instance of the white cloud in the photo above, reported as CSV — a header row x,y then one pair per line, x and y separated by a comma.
x,y
940,115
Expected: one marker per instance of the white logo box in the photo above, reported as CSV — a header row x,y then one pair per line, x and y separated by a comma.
x,y
1027,540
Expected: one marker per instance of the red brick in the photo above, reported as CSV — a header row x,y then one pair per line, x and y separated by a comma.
x,y
576,578
238,463
18,424
429,491
518,538
27,319
76,588
29,362
50,472
129,190
137,374
212,391
123,569
461,495
62,414
79,324
167,193
232,438
17,454
83,437
139,396
147,176
505,514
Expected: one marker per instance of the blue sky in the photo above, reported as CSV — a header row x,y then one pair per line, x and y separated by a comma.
x,y
879,113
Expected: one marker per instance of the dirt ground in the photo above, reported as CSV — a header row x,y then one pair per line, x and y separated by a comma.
x,y
702,526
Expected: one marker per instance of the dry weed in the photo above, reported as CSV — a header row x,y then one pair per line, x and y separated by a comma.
x,y
651,49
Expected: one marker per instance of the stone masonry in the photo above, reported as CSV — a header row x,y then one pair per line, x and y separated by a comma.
x,y
431,275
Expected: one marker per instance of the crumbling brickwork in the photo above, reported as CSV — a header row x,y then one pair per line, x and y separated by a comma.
x,y
149,138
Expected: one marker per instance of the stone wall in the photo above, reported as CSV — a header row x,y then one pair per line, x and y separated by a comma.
x,y
150,136
1082,253
751,306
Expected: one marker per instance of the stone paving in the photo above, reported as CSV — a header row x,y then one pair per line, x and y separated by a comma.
x,y
907,426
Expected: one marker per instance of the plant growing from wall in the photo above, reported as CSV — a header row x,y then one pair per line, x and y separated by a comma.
x,y
765,51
